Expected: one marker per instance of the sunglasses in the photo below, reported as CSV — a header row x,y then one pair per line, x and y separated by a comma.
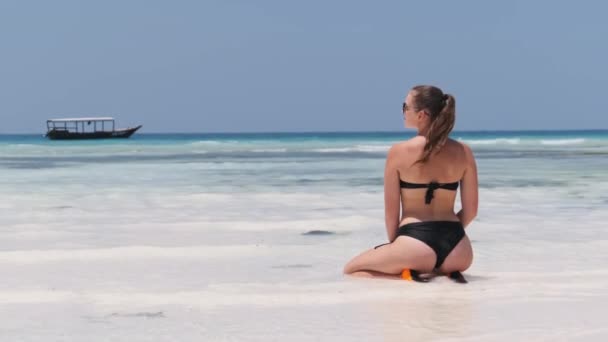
x,y
405,107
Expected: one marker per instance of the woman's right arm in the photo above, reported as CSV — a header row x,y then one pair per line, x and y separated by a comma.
x,y
468,189
392,193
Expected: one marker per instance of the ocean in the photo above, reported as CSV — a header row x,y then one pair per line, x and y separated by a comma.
x,y
243,236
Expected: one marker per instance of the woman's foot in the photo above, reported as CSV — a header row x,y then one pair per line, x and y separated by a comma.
x,y
457,277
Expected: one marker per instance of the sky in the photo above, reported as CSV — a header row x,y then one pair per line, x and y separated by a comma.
x,y
294,66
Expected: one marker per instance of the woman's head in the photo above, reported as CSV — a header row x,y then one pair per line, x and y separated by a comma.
x,y
432,112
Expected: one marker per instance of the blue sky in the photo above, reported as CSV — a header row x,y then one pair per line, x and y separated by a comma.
x,y
258,66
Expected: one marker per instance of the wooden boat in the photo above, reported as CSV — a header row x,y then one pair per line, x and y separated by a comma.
x,y
86,128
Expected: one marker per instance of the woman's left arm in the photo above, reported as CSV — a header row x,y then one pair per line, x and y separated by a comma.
x,y
392,194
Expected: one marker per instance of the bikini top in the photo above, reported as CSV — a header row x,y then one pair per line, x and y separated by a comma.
x,y
430,188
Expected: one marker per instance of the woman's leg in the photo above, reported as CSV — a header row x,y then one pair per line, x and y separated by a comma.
x,y
374,274
460,258
404,252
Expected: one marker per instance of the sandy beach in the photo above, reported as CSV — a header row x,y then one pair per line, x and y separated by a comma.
x,y
200,240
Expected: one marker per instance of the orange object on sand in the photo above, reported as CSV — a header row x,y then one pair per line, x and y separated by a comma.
x,y
406,274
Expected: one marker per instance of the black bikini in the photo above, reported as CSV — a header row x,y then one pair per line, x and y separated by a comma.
x,y
430,188
441,236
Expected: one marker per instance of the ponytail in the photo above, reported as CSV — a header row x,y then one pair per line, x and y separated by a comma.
x,y
442,111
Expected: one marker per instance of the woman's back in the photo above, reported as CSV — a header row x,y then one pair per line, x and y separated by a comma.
x,y
446,168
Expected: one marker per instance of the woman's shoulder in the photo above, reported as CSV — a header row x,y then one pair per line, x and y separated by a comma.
x,y
460,147
414,142
407,145
461,144
403,151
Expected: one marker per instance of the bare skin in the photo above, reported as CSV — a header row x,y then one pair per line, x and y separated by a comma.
x,y
454,161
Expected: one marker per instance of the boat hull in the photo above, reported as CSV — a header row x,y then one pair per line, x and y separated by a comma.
x,y
65,135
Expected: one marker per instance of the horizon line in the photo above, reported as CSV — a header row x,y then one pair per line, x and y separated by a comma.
x,y
359,131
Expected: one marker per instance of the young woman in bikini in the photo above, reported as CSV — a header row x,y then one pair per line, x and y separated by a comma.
x,y
421,179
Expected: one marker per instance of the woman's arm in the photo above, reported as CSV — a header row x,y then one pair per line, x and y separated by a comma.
x,y
468,190
392,194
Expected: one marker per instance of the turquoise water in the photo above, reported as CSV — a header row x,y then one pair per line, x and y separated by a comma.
x,y
290,161
566,170
209,229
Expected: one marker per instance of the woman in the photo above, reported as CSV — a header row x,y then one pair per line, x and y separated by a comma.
x,y
421,179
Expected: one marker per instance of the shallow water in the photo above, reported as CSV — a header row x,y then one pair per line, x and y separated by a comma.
x,y
191,237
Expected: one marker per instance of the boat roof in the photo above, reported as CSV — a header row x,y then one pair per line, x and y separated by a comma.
x,y
81,119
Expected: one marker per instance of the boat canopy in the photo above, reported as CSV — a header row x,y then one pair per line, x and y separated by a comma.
x,y
80,125
81,119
